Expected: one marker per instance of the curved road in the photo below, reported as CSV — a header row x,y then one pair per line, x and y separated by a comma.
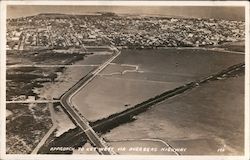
x,y
82,122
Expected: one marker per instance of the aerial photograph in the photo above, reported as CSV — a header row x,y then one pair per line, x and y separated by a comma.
x,y
125,80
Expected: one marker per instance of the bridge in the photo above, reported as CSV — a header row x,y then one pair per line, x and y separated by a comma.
x,y
79,119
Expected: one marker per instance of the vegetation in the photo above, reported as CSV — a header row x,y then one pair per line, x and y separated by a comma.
x,y
26,127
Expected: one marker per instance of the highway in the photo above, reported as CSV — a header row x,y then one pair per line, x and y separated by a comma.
x,y
81,121
159,98
137,109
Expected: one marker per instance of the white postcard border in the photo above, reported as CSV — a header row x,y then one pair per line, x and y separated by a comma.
x,y
117,3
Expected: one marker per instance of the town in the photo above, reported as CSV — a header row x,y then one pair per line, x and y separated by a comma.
x,y
49,30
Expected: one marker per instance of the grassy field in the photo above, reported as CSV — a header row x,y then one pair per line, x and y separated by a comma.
x,y
28,123
23,81
26,127
41,57
202,120
158,71
42,82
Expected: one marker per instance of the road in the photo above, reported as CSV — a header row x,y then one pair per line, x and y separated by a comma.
x,y
159,98
139,108
51,130
81,121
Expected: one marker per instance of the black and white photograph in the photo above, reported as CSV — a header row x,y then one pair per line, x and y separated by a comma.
x,y
125,79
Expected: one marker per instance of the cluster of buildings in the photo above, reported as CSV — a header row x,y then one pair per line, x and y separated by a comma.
x,y
63,31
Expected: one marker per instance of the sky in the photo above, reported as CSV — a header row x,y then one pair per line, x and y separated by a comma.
x,y
218,12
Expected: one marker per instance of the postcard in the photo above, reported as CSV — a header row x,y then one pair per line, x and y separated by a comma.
x,y
124,80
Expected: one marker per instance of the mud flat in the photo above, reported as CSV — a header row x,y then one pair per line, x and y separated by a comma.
x,y
63,122
64,81
137,75
71,75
